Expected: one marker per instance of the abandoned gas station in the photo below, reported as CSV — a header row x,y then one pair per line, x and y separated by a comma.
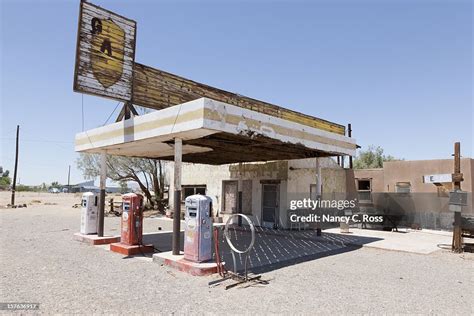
x,y
265,154
194,123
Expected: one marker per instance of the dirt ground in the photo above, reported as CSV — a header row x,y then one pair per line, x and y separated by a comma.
x,y
41,263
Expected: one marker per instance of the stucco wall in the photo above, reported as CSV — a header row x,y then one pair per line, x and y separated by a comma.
x,y
376,176
424,206
413,172
295,176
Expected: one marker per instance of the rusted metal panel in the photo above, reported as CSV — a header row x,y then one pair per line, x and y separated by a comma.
x,y
158,89
105,53
228,148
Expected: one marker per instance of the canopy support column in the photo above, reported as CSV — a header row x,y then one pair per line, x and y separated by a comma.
x,y
178,155
103,177
318,191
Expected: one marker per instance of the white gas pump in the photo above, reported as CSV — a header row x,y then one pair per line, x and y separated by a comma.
x,y
89,211
197,231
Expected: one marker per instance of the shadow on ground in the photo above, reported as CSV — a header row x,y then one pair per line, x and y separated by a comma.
x,y
162,241
273,249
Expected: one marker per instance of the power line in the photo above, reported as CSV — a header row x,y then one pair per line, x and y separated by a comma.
x,y
111,114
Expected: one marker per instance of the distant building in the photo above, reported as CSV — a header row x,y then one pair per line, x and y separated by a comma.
x,y
416,190
88,186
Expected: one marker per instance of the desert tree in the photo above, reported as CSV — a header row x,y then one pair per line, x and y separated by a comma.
x,y
373,157
149,174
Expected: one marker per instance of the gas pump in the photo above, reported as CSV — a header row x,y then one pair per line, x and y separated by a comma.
x,y
197,231
132,227
90,202
132,219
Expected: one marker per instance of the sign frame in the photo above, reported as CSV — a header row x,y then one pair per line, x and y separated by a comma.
x,y
85,81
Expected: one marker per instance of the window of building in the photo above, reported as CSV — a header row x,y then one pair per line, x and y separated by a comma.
x,y
189,190
403,187
364,189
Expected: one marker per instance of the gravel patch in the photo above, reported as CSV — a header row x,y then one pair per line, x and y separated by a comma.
x,y
42,263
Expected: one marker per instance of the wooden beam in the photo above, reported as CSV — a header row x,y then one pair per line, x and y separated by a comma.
x,y
157,89
127,108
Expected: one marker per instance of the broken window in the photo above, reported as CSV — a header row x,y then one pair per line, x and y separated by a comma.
x,y
364,190
189,190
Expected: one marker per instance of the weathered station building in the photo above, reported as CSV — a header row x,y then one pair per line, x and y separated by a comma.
x,y
267,187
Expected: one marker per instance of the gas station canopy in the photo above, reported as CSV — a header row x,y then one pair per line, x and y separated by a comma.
x,y
213,132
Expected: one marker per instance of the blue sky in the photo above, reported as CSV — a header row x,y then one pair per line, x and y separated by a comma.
x,y
399,71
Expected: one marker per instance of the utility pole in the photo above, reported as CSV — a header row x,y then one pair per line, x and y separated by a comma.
x,y
457,178
68,179
16,165
349,133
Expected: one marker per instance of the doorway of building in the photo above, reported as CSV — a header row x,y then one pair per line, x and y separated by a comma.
x,y
229,197
270,198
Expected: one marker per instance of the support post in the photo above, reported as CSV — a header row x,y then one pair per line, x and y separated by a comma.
x,y
178,155
127,114
16,166
103,177
318,192
239,199
457,178
126,111
349,133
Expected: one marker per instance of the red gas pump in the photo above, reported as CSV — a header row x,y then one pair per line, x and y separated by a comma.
x,y
132,219
132,227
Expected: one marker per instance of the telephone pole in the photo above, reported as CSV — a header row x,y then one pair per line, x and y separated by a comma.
x,y
16,165
68,179
349,133
457,178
